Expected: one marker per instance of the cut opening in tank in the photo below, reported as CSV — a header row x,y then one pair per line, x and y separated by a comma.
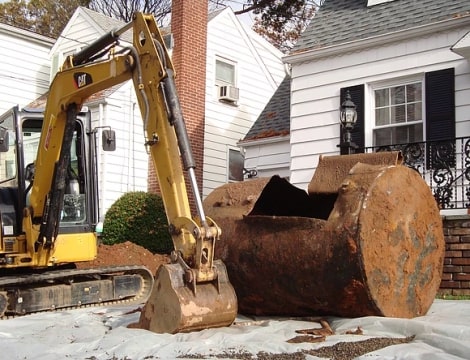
x,y
281,198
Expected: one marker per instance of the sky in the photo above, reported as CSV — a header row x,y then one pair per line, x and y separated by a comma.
x,y
248,18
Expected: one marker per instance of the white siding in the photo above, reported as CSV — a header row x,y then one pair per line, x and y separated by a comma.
x,y
259,71
269,157
125,169
316,85
25,64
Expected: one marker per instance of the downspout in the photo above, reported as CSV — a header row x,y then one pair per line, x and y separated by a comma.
x,y
131,185
101,166
133,154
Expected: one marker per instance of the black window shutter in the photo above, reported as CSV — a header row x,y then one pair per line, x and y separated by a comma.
x,y
357,134
440,118
440,105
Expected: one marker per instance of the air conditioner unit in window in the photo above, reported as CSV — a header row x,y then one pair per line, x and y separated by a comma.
x,y
228,93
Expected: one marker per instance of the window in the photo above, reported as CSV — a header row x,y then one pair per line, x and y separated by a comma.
x,y
224,72
225,81
58,60
398,114
236,163
10,168
417,109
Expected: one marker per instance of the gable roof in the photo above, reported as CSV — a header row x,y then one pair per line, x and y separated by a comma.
x,y
274,120
107,23
214,13
340,21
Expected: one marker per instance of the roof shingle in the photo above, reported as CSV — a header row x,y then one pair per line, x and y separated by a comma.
x,y
340,21
274,120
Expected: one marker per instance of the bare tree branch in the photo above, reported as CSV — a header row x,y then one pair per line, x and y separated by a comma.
x,y
124,9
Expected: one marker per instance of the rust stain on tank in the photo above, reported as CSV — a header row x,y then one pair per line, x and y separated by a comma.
x,y
374,246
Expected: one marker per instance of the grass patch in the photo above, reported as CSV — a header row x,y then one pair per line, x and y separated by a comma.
x,y
452,297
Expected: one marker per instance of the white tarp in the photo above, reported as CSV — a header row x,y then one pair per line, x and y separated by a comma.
x,y
102,333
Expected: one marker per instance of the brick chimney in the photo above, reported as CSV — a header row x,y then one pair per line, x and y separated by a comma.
x,y
189,29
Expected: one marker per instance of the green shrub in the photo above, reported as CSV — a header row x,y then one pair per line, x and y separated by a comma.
x,y
138,217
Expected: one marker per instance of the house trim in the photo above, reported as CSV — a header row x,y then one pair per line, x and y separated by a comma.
x,y
78,12
26,34
249,43
268,140
378,40
462,47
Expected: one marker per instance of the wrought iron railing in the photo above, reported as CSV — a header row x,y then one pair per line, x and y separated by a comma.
x,y
445,165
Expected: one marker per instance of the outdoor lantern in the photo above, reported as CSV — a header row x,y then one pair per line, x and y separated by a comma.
x,y
348,118
348,113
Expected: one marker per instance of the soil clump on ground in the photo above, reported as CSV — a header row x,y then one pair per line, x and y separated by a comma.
x,y
126,253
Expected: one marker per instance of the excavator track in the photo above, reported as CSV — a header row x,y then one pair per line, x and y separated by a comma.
x,y
73,288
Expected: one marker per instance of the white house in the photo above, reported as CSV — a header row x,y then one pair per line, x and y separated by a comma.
x,y
25,70
243,71
406,66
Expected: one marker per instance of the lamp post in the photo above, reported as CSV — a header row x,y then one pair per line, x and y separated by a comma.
x,y
348,118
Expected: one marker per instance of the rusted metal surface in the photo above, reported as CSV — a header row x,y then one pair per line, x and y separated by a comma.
x,y
379,251
332,170
174,306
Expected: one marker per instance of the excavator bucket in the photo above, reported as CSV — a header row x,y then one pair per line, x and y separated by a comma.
x,y
365,240
176,306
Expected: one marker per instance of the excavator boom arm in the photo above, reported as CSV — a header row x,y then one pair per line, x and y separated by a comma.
x,y
69,89
194,280
168,142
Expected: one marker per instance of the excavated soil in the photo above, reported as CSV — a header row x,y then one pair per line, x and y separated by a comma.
x,y
126,253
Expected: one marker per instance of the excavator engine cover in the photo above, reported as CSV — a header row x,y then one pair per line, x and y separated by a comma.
x,y
176,306
367,239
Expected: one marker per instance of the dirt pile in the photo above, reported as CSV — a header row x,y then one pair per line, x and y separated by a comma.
x,y
126,253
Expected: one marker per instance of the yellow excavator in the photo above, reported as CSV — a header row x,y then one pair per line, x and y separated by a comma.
x,y
48,194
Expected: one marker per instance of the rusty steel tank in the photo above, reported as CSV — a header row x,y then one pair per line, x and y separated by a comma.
x,y
366,239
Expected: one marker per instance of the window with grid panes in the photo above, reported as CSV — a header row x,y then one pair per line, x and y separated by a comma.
x,y
398,114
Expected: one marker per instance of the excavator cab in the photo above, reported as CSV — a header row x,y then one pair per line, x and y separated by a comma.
x,y
21,133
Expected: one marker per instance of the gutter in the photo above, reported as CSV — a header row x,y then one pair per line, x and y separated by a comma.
x,y
377,40
26,34
262,141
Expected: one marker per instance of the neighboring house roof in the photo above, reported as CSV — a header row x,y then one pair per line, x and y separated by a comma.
x,y
340,21
107,23
214,13
31,36
274,120
40,102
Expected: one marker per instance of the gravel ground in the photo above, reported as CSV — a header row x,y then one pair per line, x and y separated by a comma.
x,y
339,351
